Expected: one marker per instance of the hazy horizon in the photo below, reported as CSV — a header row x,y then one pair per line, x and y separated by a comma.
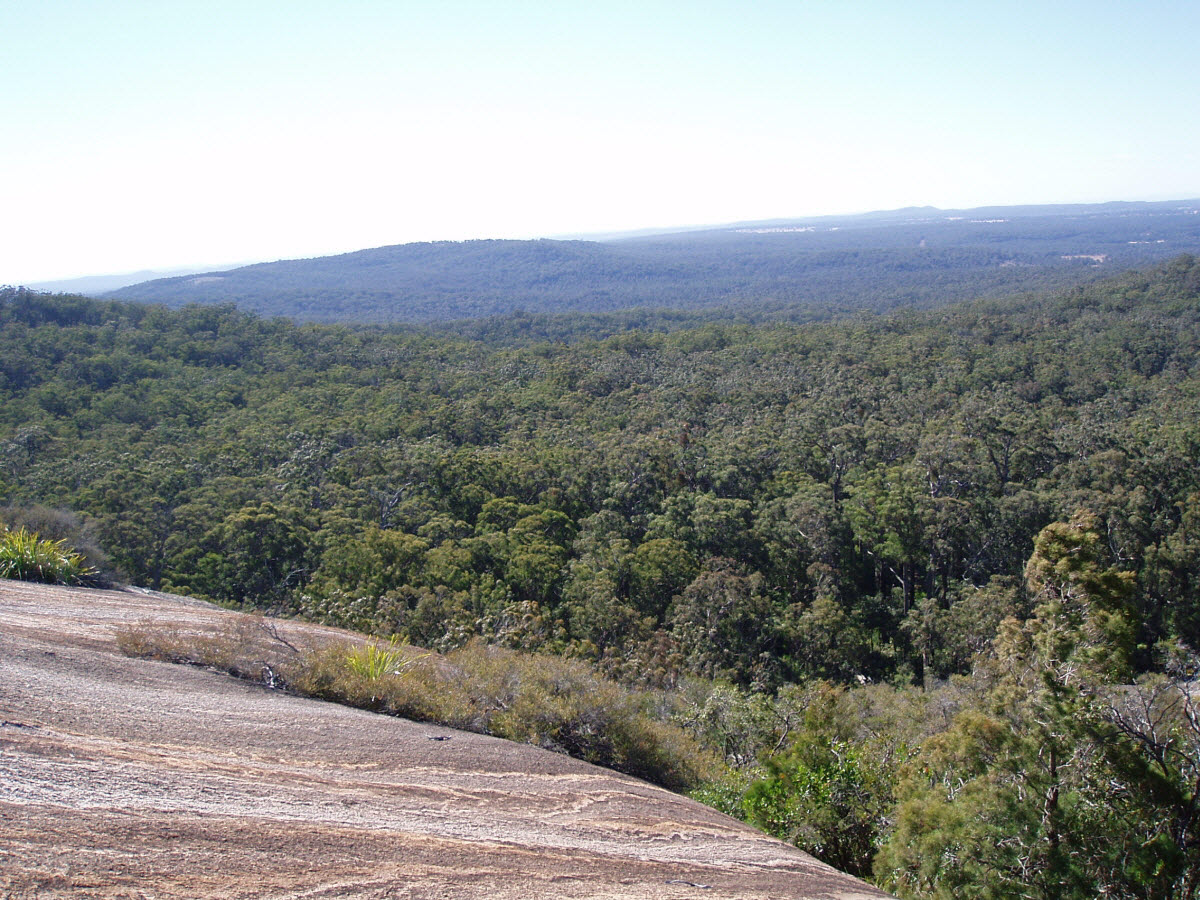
x,y
144,136
106,281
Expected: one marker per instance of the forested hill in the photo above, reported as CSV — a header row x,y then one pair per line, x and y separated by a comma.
x,y
781,538
593,495
798,270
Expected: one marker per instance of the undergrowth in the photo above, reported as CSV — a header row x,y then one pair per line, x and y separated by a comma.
x,y
558,704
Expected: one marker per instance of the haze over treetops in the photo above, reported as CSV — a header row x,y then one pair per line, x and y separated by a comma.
x,y
793,269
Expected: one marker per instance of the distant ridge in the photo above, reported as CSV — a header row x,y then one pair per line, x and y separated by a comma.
x,y
96,285
903,214
789,268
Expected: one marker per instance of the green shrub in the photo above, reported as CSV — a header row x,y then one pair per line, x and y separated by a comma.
x,y
66,526
26,556
829,798
726,793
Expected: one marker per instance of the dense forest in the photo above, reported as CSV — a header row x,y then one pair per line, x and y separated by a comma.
x,y
797,271
932,578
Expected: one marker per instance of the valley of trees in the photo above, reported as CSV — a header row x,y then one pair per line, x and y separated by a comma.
x,y
929,581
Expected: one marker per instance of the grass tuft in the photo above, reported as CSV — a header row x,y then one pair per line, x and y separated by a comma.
x,y
26,556
374,661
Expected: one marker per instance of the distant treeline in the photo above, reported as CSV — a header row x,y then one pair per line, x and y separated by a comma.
x,y
795,273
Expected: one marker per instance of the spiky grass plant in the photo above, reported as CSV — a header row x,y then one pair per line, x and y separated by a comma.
x,y
373,661
26,556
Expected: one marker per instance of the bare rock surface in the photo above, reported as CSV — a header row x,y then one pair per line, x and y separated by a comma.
x,y
123,778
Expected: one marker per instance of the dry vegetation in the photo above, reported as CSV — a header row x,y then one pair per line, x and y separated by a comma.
x,y
550,702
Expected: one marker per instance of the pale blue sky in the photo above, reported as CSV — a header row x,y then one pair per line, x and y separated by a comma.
x,y
154,134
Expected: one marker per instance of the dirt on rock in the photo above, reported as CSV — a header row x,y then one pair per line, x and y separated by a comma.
x,y
125,778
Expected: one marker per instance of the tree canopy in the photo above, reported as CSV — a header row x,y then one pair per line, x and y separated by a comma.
x,y
941,566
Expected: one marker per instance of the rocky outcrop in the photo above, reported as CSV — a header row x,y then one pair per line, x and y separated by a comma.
x,y
127,778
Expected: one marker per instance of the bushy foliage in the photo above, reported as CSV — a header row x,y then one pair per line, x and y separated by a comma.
x,y
855,500
829,798
26,556
1060,784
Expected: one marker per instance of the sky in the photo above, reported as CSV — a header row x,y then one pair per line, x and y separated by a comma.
x,y
151,135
